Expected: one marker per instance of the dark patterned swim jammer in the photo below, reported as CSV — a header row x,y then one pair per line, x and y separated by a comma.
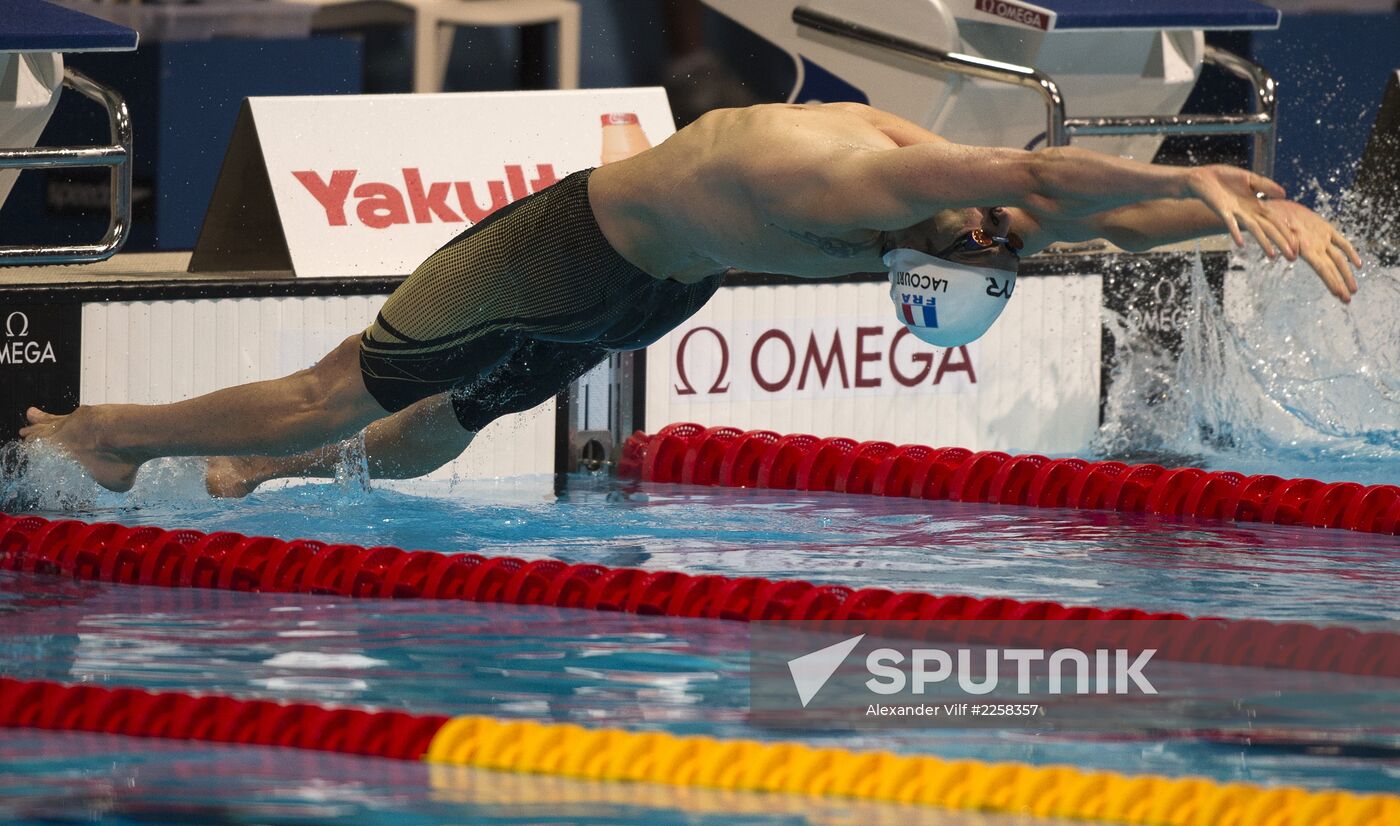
x,y
511,311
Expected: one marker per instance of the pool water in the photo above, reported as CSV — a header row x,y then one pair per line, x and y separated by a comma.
x,y
1100,558
680,675
1262,383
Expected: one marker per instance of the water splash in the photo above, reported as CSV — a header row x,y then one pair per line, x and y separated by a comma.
x,y
352,474
38,476
1271,373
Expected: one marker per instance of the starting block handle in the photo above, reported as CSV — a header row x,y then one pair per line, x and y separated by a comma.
x,y
116,157
1025,76
1261,124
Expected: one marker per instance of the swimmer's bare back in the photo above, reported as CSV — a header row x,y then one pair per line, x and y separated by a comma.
x,y
745,189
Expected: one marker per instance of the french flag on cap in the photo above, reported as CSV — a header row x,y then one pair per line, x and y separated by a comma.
x,y
921,315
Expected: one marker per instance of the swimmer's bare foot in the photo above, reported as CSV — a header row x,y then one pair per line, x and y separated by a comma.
x,y
230,477
79,434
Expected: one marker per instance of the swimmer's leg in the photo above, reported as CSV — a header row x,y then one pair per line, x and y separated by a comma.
x,y
414,441
429,433
323,403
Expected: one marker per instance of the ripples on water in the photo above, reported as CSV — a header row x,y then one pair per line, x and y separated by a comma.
x,y
645,673
1078,557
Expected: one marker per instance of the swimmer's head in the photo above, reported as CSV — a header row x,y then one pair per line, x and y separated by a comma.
x,y
952,273
951,234
948,301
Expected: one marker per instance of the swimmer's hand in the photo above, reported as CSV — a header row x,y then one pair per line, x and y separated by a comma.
x,y
1325,249
1234,194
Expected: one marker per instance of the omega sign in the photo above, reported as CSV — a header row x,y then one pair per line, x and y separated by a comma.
x,y
19,348
1032,16
814,358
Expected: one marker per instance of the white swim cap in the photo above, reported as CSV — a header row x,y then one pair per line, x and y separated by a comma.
x,y
943,302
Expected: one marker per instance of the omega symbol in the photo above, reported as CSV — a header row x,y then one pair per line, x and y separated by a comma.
x,y
10,325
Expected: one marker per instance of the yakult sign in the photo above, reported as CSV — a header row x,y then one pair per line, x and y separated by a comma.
x,y
803,358
384,204
372,184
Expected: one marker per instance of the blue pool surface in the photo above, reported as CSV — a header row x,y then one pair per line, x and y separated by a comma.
x,y
642,673
1098,558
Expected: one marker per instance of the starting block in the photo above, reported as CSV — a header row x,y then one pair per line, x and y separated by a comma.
x,y
1009,73
34,35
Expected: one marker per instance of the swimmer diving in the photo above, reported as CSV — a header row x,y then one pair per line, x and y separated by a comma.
x,y
520,304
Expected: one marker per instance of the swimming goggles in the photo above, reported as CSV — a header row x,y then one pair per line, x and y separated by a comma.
x,y
976,240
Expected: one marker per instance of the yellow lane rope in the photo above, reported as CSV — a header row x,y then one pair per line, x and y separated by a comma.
x,y
1043,791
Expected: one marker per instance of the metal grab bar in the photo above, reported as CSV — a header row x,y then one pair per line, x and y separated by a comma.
x,y
1262,123
962,64
117,157
1265,103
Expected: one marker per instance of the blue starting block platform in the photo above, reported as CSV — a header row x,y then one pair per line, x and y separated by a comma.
x,y
1207,15
37,26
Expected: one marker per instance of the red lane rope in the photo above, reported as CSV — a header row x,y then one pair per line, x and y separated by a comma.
x,y
185,558
728,457
177,716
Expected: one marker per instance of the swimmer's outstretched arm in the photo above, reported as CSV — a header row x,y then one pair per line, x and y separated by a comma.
x,y
896,188
1287,226
1151,224
413,442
